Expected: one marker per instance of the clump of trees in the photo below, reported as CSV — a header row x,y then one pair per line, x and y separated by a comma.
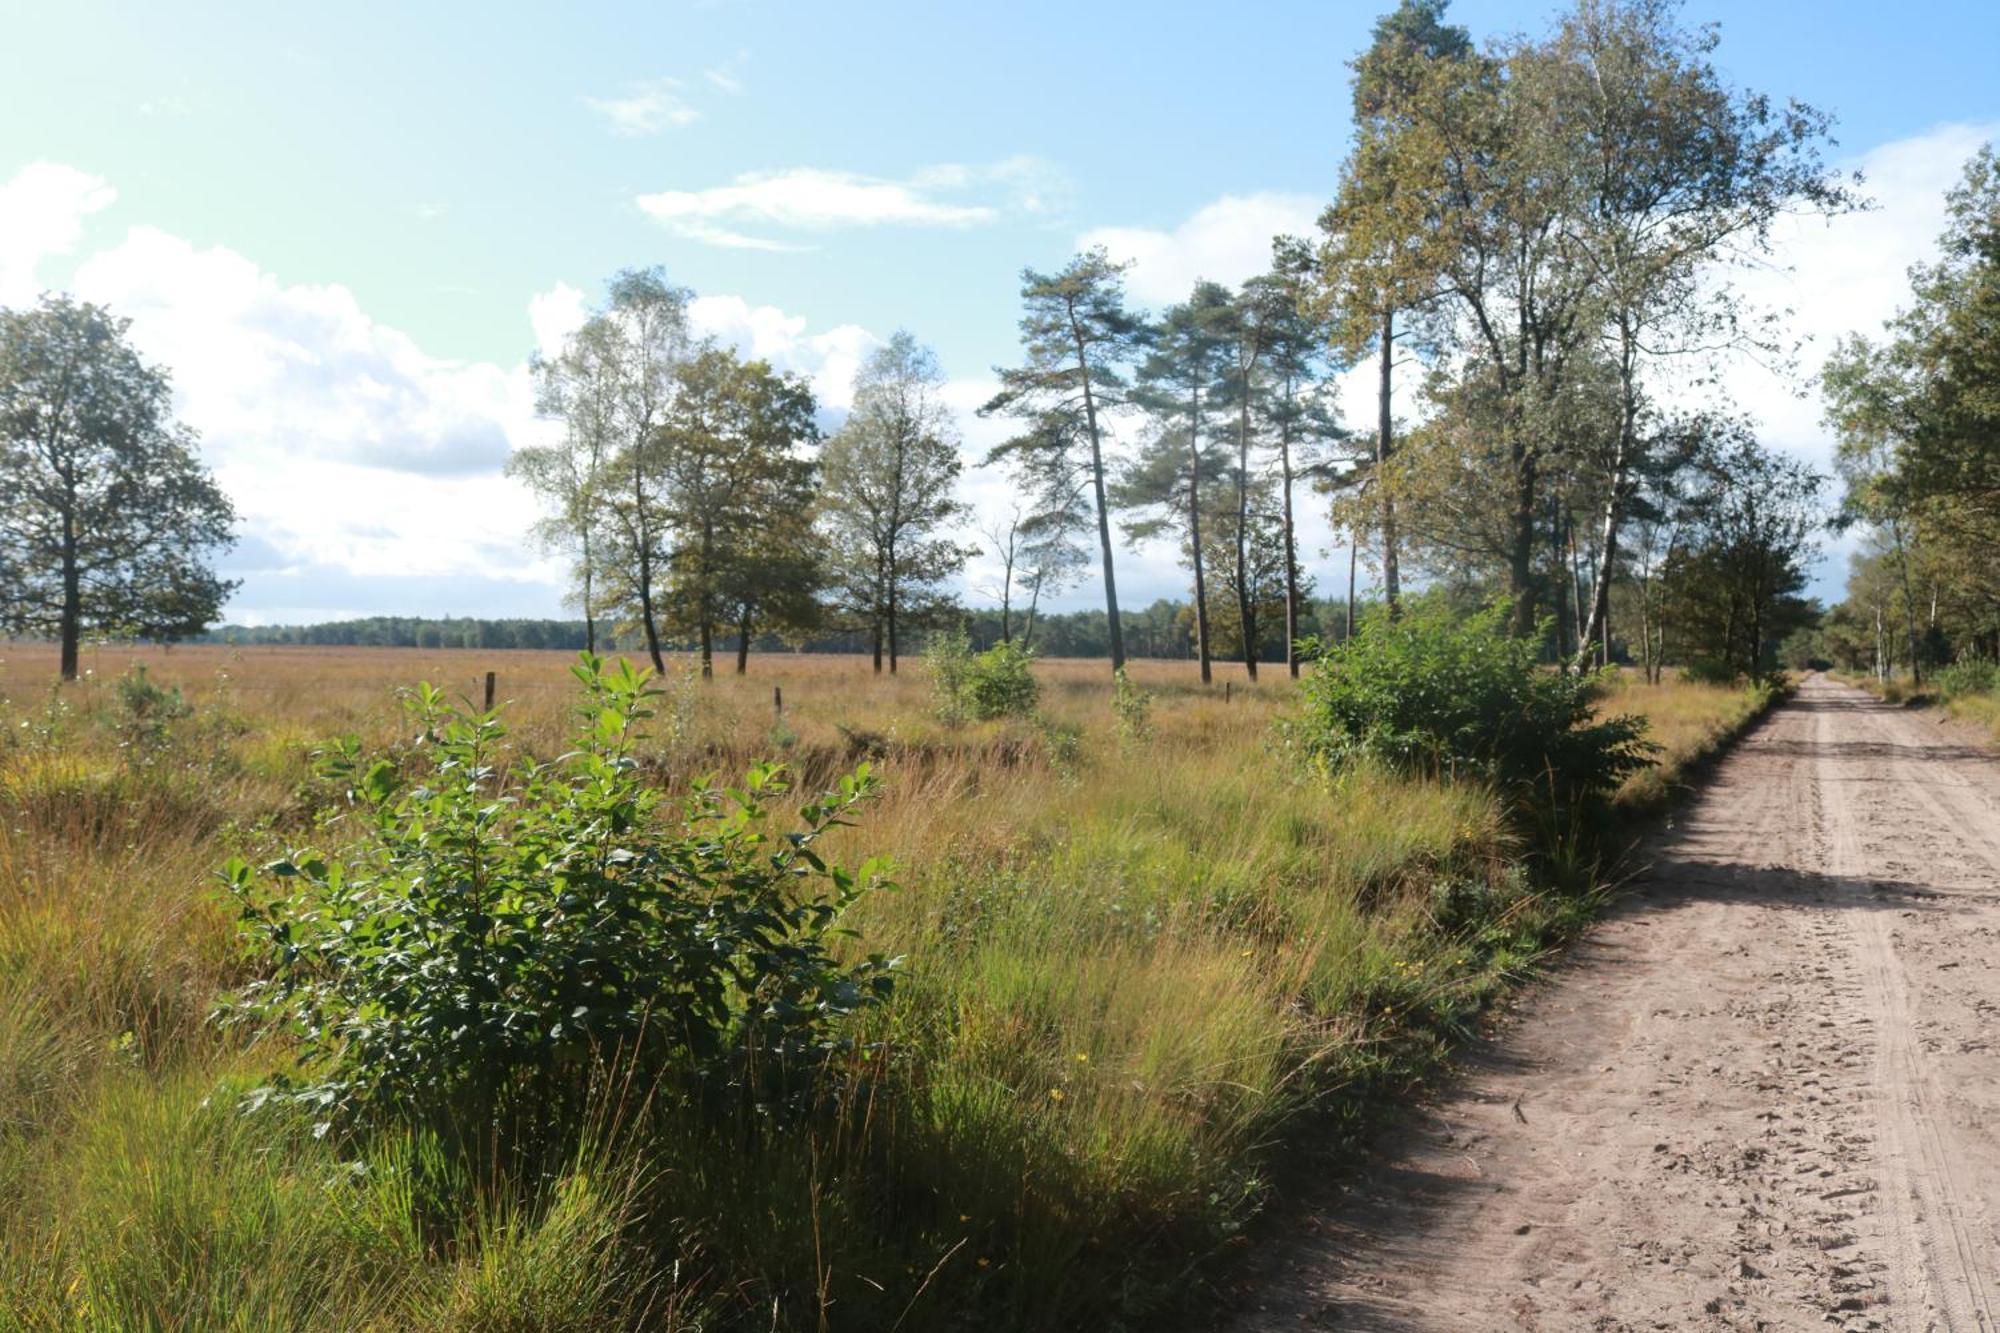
x,y
1549,225
111,524
1917,413
682,486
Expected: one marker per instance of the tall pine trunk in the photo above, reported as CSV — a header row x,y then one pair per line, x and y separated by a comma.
x,y
1097,492
1291,547
1246,617
1392,582
1194,544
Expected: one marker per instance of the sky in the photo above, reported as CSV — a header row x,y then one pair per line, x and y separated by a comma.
x,y
345,229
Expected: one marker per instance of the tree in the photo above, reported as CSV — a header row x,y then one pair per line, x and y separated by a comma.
x,y
1253,319
891,476
1163,483
1559,206
637,345
1054,553
1918,418
1255,584
1369,273
1680,179
1303,416
1076,335
729,452
110,521
1190,356
579,386
1734,583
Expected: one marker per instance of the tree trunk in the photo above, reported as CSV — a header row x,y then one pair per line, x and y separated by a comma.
x,y
1566,594
1006,597
707,649
72,603
1909,605
1291,548
1607,551
1392,585
876,633
589,619
1245,617
646,614
892,629
1521,566
743,645
1103,513
1200,573
1353,559
645,554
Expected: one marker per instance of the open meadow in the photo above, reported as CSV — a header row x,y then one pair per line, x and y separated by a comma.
x,y
1141,949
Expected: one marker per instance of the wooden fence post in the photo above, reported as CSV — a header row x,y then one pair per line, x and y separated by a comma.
x,y
489,689
778,700
1228,686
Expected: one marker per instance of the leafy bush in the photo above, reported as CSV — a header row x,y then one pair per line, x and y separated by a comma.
x,y
501,934
999,682
1971,675
1434,693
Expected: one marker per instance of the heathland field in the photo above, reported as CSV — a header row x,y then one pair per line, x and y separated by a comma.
x,y
1146,955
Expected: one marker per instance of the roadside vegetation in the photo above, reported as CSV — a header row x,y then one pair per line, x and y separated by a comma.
x,y
1136,943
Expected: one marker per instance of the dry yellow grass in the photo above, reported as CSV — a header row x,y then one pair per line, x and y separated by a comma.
x,y
1131,964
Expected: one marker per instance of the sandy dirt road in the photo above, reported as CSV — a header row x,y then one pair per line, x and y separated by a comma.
x,y
1763,1094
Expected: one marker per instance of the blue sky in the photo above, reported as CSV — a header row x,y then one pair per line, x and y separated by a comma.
x,y
345,227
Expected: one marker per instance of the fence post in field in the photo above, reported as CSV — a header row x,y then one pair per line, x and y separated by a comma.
x,y
778,700
489,689
1228,686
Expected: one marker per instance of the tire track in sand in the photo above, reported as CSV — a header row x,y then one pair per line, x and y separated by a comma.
x,y
1755,1097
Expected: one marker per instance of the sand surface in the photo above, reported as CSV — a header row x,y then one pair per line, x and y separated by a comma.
x,y
1764,1093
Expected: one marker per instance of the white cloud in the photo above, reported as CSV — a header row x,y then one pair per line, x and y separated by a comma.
x,y
727,77
42,209
828,360
811,199
1225,241
345,447
648,109
554,315
300,369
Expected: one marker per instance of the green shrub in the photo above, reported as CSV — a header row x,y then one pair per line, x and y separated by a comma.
x,y
147,713
948,658
502,934
999,682
1433,693
1710,671
1134,708
1970,675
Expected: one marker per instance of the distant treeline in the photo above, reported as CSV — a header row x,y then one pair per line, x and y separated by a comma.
x,y
1163,630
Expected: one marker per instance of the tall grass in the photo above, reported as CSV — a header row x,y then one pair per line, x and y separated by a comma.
x,y
1135,967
